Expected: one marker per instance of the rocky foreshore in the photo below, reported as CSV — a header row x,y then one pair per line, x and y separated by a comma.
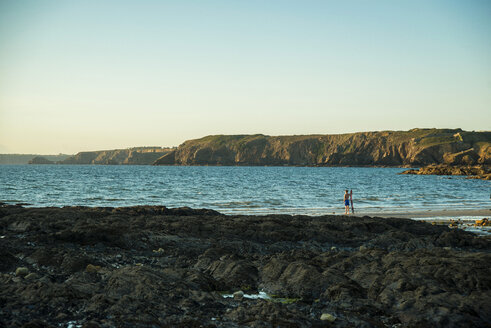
x,y
151,266
482,172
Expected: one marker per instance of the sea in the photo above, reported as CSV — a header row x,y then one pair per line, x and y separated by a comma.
x,y
241,190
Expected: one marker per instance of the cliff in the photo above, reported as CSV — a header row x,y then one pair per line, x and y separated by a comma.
x,y
416,147
130,156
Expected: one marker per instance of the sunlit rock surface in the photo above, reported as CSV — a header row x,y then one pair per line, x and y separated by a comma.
x,y
416,147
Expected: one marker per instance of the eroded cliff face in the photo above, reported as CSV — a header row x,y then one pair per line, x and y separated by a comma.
x,y
131,156
416,147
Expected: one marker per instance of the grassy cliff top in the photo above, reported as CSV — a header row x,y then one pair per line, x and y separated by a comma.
x,y
423,137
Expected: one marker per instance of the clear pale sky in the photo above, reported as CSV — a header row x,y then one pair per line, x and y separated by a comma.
x,y
93,75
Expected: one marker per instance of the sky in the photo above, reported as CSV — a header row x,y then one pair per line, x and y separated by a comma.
x,y
93,75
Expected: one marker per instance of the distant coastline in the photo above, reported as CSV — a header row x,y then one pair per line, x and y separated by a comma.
x,y
413,148
22,159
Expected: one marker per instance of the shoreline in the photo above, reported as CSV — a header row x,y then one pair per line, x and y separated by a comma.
x,y
411,214
418,214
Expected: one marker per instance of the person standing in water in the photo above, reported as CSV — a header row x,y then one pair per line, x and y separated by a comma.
x,y
346,202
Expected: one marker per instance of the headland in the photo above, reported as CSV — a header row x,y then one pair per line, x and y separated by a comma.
x,y
413,148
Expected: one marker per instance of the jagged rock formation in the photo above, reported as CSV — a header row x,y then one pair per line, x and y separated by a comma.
x,y
40,160
416,147
473,172
130,156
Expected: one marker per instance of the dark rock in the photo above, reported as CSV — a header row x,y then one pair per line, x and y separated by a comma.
x,y
231,273
297,279
384,272
36,323
8,261
476,172
73,263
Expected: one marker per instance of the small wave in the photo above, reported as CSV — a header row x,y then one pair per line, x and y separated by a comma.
x,y
10,201
96,198
372,199
273,202
286,210
237,204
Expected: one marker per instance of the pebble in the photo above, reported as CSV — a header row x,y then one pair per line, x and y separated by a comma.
x,y
21,271
238,295
61,316
363,248
45,280
328,317
31,276
92,268
30,260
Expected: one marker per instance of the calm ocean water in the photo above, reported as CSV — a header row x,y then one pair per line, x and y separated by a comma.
x,y
254,190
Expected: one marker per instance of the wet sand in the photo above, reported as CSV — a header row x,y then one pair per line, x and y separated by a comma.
x,y
428,214
150,266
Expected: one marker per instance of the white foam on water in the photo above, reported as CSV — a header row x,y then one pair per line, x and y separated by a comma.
x,y
260,295
71,324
